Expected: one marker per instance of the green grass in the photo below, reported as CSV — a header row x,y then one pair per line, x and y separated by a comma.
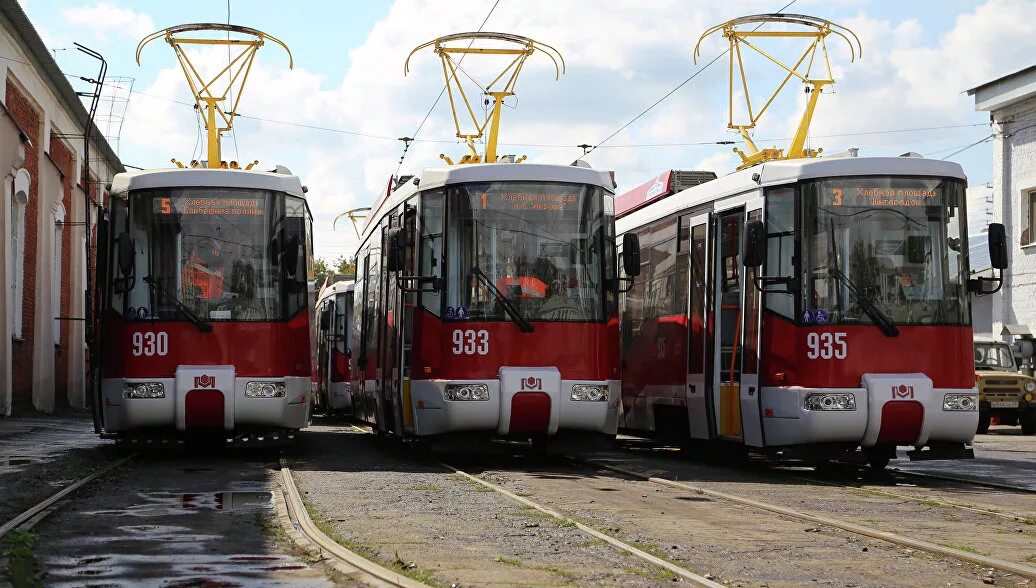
x,y
964,548
655,573
474,485
566,523
510,561
428,488
1031,558
1030,521
561,573
591,543
23,569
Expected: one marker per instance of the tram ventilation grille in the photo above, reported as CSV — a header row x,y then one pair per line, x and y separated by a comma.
x,y
681,180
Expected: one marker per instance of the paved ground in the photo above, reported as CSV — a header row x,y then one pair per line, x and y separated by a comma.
x,y
1003,455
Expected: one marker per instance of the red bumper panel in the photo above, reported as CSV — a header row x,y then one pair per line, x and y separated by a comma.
x,y
530,412
901,422
203,409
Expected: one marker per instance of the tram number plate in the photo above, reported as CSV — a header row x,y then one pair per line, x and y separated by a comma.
x,y
1004,404
470,342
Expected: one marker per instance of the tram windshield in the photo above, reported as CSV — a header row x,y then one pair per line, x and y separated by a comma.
x,y
884,250
219,254
536,247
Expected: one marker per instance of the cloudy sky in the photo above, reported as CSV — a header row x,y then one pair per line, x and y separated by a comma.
x,y
334,120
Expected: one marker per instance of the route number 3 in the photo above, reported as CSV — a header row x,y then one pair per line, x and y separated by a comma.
x,y
826,346
470,342
150,344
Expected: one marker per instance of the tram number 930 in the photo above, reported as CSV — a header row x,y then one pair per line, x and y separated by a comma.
x,y
150,344
470,342
826,346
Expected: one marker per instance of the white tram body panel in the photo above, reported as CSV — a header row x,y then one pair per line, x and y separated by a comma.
x,y
914,388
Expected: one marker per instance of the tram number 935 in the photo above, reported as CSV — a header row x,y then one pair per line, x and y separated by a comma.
x,y
470,342
826,346
150,344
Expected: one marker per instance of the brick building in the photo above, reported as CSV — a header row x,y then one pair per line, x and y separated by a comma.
x,y
1011,103
42,223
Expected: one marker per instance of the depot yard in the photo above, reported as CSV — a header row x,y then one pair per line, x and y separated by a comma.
x,y
192,518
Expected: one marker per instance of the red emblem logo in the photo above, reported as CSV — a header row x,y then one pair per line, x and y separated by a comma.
x,y
902,391
205,381
532,383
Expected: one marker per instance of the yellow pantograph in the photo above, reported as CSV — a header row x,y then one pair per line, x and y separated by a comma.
x,y
212,94
355,215
816,31
518,48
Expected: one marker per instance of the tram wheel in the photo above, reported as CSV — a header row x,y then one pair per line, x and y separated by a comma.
x,y
878,457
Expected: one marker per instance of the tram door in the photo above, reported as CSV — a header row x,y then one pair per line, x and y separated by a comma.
x,y
699,330
736,314
388,348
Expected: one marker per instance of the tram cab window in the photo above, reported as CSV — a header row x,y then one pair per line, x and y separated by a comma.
x,y
780,249
431,261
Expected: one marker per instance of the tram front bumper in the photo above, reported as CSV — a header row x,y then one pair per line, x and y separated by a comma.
x,y
545,409
894,409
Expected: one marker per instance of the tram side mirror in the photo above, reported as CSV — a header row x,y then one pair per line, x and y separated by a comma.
x,y
755,243
396,249
631,254
325,319
998,246
291,255
125,252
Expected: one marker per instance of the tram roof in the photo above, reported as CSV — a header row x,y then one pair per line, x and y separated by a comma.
x,y
205,177
777,173
336,288
437,177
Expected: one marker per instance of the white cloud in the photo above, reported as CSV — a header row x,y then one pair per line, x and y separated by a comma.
x,y
105,18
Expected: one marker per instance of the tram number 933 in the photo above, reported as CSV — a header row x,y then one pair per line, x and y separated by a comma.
x,y
826,346
471,342
150,344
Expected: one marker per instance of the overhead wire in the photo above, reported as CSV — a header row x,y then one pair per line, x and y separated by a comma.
x,y
673,91
966,147
413,136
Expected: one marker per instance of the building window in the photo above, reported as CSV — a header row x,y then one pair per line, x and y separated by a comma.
x,y
59,222
19,200
1029,218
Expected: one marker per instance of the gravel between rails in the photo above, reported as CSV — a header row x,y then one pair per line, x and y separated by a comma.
x,y
739,545
409,509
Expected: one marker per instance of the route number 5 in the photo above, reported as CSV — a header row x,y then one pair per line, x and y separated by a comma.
x,y
826,346
470,342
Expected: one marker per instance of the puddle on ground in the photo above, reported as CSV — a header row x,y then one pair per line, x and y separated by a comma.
x,y
226,501
17,460
694,498
175,503
181,570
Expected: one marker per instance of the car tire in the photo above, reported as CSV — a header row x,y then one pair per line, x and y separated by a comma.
x,y
1028,423
983,423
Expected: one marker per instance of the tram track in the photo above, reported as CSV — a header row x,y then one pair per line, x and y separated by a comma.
x,y
31,516
862,530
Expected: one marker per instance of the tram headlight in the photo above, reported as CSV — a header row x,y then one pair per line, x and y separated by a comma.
x,y
264,390
960,402
591,393
1030,386
464,392
143,390
829,401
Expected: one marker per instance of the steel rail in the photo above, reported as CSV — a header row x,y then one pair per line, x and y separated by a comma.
x,y
895,538
685,574
53,499
300,518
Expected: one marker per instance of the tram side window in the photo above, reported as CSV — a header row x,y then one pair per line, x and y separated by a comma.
x,y
780,249
372,309
431,261
120,210
750,354
296,240
683,245
699,264
341,328
662,269
633,312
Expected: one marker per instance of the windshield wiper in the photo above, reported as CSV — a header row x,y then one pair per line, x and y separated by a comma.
x,y
523,323
881,320
203,326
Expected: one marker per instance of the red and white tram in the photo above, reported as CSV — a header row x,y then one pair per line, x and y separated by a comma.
x,y
807,307
204,305
486,304
334,307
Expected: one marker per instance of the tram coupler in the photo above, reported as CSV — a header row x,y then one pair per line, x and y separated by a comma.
x,y
942,451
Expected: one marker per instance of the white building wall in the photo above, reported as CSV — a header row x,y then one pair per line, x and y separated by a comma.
x,y
1014,176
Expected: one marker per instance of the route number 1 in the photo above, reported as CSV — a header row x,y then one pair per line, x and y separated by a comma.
x,y
470,342
826,346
